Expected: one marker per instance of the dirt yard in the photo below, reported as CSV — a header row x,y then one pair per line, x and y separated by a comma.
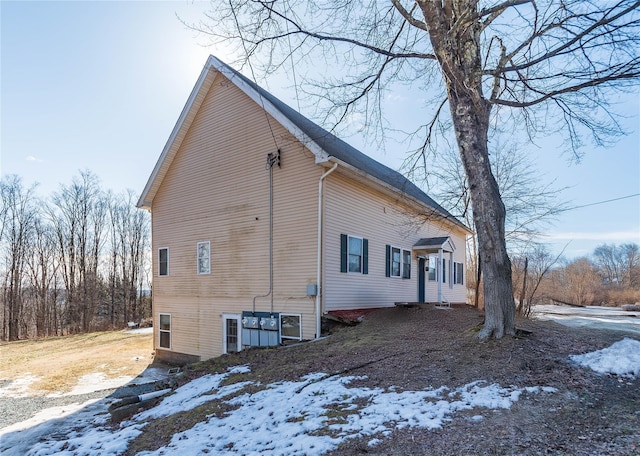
x,y
56,365
424,347
409,349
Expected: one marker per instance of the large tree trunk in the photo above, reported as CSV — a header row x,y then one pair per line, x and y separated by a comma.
x,y
488,216
456,42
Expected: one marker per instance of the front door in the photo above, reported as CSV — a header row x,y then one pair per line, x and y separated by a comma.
x,y
231,326
421,278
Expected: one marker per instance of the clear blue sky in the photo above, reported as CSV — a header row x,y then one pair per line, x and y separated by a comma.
x,y
100,85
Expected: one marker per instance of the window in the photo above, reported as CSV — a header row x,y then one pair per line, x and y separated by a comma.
x,y
290,327
395,262
433,261
406,264
458,273
204,252
398,262
163,261
354,253
444,271
164,330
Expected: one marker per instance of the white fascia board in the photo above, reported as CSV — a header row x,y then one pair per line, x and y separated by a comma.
x,y
320,154
142,201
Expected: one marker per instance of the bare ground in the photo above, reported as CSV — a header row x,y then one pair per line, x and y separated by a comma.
x,y
421,347
58,363
411,348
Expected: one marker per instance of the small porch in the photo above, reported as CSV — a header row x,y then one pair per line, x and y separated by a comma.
x,y
433,255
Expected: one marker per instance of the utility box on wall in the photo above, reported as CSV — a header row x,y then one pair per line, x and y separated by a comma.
x,y
312,289
260,329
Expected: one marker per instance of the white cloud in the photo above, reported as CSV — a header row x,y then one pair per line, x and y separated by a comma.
x,y
32,159
396,97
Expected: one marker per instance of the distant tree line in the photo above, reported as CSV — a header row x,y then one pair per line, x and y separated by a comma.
x,y
75,262
610,276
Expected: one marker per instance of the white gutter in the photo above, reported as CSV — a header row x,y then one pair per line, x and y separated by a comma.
x,y
319,276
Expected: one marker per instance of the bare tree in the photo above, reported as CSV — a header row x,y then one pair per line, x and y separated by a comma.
x,y
631,256
530,203
494,61
20,214
78,214
43,269
608,259
530,269
579,283
129,242
619,265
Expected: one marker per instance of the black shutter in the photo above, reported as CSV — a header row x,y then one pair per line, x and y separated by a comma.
x,y
343,253
387,262
365,256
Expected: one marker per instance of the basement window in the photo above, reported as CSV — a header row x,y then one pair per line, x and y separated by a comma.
x,y
290,326
164,330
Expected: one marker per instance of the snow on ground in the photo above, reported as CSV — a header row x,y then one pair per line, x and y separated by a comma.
x,y
621,358
309,416
590,316
18,387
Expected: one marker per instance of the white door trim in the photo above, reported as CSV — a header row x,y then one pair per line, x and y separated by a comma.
x,y
225,317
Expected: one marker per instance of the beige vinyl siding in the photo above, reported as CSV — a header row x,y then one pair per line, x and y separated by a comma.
x,y
354,209
217,190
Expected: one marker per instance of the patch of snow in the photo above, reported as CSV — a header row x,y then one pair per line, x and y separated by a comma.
x,y
621,358
281,419
610,318
140,331
374,442
47,415
97,381
19,387
310,416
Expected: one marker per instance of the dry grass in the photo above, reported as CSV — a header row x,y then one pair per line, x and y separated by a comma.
x,y
59,362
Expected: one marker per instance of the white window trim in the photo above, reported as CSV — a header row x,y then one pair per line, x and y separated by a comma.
x,y
402,251
208,244
456,279
349,271
392,248
168,261
225,317
160,330
435,269
402,264
291,315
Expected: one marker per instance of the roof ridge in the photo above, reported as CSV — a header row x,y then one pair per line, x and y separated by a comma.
x,y
340,149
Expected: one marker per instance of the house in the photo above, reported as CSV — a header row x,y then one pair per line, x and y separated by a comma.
x,y
262,222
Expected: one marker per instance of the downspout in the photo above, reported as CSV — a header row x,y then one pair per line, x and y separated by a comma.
x,y
319,270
